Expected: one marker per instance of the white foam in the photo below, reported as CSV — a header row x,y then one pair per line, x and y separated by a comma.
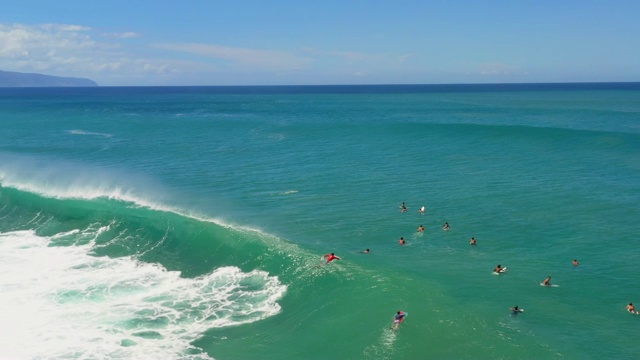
x,y
61,302
384,348
83,132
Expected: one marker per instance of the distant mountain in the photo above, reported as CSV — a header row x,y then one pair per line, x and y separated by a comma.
x,y
16,79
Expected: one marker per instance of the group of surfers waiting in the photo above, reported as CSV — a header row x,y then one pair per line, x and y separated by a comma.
x,y
400,315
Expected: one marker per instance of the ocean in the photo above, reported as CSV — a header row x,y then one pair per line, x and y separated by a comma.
x,y
191,222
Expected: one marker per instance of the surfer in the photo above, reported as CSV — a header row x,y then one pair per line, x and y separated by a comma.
x,y
631,308
575,262
421,211
499,269
331,257
401,241
547,281
403,207
400,315
420,228
516,310
446,226
472,241
366,251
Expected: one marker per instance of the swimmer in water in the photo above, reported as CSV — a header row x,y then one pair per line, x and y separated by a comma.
x,y
575,262
515,310
420,228
446,226
401,241
631,309
403,207
472,241
331,257
499,269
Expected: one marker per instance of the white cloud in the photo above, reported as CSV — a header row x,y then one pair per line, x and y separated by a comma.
x,y
81,51
64,27
70,50
37,42
122,35
254,57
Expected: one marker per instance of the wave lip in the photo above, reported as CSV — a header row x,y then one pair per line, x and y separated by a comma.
x,y
67,180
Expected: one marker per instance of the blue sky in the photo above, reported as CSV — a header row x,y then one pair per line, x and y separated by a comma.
x,y
250,42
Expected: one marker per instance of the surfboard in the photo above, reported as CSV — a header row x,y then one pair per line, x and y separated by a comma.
x,y
396,324
504,269
550,285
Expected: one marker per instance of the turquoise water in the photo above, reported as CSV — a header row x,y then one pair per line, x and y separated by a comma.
x,y
190,222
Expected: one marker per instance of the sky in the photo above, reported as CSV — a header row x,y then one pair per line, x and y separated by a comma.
x,y
323,42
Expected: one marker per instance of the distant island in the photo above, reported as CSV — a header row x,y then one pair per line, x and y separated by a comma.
x,y
16,79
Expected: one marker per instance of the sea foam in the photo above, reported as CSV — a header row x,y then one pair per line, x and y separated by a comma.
x,y
61,302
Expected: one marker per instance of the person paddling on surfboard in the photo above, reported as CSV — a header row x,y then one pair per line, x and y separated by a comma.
x,y
403,207
420,228
421,211
499,269
446,226
631,309
399,318
516,310
547,281
331,257
472,241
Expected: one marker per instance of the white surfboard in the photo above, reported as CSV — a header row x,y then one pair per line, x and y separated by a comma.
x,y
550,285
504,269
